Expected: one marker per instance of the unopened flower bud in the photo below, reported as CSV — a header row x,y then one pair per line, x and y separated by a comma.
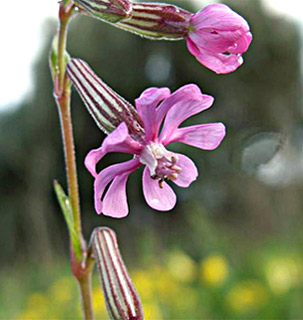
x,y
157,21
122,301
106,107
107,10
218,37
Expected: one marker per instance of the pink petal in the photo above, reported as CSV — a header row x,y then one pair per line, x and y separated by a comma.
x,y
162,199
242,44
182,111
218,16
107,175
187,92
189,171
222,41
117,141
115,200
192,47
204,136
218,30
152,96
217,62
146,105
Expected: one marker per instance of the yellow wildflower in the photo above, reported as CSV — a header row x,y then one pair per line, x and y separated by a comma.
x,y
282,274
63,290
181,266
152,311
247,296
99,304
36,307
214,270
144,284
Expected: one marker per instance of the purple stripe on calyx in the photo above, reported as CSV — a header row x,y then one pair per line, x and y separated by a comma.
x,y
110,11
107,123
89,104
159,21
122,301
106,106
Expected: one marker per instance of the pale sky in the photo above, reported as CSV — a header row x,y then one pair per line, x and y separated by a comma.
x,y
20,42
18,56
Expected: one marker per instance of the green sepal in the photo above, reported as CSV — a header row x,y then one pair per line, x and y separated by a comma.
x,y
111,18
67,211
111,11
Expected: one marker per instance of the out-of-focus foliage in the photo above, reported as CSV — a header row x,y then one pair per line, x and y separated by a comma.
x,y
227,215
269,288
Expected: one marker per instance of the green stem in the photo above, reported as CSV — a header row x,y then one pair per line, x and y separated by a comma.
x,y
85,286
62,36
82,269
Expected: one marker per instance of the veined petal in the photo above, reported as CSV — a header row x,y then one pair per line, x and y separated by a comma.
x,y
152,97
117,141
146,105
218,62
223,41
189,171
218,16
162,199
182,111
192,47
115,200
107,175
242,44
217,38
204,136
189,91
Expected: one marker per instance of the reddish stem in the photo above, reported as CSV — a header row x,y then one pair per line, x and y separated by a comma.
x,y
82,268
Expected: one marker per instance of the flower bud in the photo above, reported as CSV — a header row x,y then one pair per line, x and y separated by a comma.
x,y
218,37
107,108
157,21
107,10
122,301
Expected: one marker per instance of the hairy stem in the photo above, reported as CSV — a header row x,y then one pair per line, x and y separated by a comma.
x,y
82,268
62,36
70,160
85,285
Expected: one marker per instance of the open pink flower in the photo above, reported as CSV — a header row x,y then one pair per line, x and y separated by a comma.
x,y
154,106
137,131
217,38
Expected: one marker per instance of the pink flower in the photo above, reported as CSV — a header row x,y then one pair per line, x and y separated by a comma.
x,y
217,37
154,106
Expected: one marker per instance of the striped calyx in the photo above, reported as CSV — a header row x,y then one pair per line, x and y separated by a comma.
x,y
107,10
122,301
107,108
157,21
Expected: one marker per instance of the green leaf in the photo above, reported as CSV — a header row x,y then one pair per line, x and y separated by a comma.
x,y
67,211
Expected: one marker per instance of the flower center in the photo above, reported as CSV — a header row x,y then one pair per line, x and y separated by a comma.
x,y
162,163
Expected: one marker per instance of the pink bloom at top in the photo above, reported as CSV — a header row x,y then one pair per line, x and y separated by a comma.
x,y
217,38
154,106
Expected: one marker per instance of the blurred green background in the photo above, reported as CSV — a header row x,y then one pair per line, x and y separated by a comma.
x,y
231,248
